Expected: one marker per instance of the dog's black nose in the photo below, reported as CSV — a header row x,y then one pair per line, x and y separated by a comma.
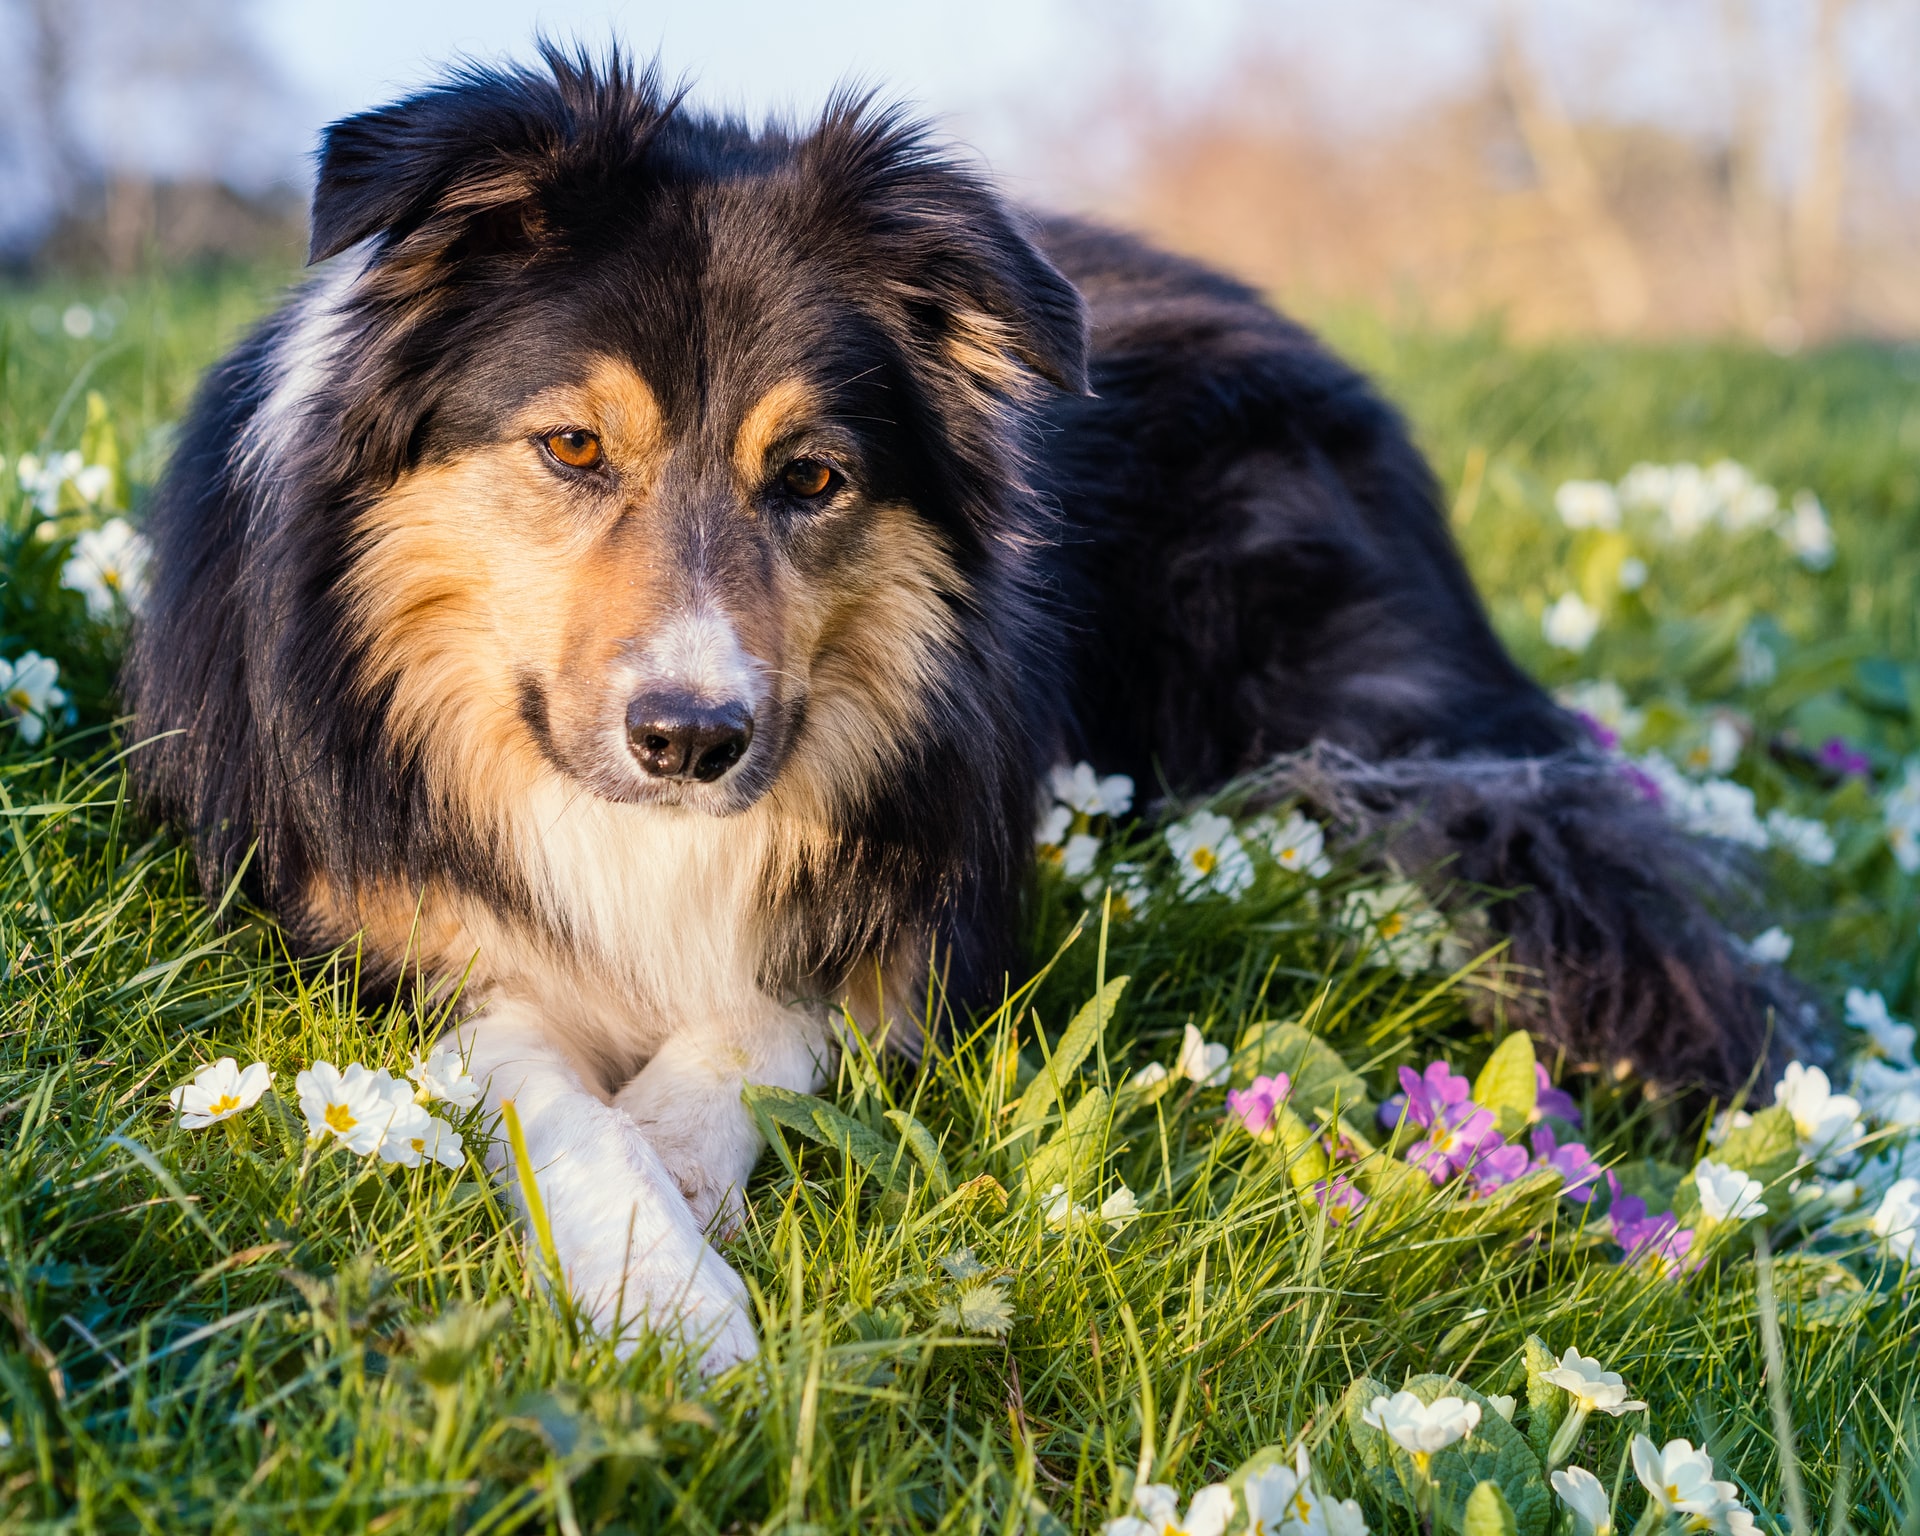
x,y
678,737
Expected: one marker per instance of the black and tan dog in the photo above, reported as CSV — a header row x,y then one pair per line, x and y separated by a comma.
x,y
654,563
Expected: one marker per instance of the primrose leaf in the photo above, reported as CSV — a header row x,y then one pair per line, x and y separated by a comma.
x,y
1546,1402
1767,1148
1488,1513
1495,1452
1507,1084
1322,1080
1074,1147
925,1149
1074,1047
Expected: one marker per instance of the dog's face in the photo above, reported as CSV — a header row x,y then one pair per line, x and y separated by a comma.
x,y
680,462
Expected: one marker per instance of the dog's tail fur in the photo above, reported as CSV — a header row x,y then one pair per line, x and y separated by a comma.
x,y
1611,913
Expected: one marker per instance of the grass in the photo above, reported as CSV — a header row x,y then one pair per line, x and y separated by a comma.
x,y
236,1329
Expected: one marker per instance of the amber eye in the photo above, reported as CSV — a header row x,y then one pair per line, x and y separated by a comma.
x,y
809,479
576,448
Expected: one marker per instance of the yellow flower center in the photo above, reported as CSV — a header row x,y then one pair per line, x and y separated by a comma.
x,y
1206,861
225,1102
21,700
110,576
420,1144
340,1118
1393,925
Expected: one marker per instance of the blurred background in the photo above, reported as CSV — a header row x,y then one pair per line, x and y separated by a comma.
x,y
1621,167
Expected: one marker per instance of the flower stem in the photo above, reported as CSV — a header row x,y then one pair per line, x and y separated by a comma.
x,y
1564,1437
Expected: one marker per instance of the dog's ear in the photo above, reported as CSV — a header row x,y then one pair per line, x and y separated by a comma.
x,y
467,161
965,266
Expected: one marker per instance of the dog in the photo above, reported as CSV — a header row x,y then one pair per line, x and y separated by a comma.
x,y
650,569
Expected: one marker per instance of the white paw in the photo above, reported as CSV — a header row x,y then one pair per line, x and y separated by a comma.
x,y
662,1288
703,1135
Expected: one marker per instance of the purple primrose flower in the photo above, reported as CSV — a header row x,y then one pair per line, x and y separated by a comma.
x,y
1339,1197
1573,1162
1549,1100
1255,1104
1849,762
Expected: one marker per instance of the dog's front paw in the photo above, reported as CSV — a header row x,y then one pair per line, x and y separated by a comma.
x,y
657,1287
702,1134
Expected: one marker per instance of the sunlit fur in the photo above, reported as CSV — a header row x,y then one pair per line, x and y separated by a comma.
x,y
1086,500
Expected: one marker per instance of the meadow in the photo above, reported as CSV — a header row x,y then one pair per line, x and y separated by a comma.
x,y
1113,1237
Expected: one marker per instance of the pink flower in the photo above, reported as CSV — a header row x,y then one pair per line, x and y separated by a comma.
x,y
1660,1240
1549,1100
1427,1095
1643,781
1838,757
1255,1105
1339,1197
1573,1162
1498,1168
1460,1137
1604,736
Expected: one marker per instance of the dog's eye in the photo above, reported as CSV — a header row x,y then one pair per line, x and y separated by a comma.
x,y
808,479
576,448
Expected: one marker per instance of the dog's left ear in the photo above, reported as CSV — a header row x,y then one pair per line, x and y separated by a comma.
x,y
972,280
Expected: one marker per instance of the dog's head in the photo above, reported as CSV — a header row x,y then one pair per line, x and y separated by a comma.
x,y
677,458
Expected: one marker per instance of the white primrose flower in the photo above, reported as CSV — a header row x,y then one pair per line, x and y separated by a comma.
x,y
1890,1094
41,481
1077,858
1420,1428
1501,1403
108,567
1298,844
1592,1388
1773,947
1159,1512
1586,1496
1868,1011
356,1105
1086,793
1805,837
1605,701
1709,807
1201,1060
1569,623
1719,749
1646,487
219,1092
442,1075
1119,1208
1678,1478
1897,1221
1209,855
1728,1194
1053,827
1588,504
1900,811
1152,1075
1633,574
415,1137
1282,1501
29,693
1398,925
1754,662
1822,1119
1127,881
1808,533
1726,1123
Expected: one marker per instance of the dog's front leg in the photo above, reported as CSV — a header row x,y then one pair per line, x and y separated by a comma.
x,y
631,1249
687,1099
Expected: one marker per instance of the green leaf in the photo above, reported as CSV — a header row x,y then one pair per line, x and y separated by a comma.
x,y
1507,1084
1373,1447
980,1308
1073,1149
1547,1404
1321,1078
1074,1047
1488,1513
830,1126
1768,1148
921,1144
1495,1452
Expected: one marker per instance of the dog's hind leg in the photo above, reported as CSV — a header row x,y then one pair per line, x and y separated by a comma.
x,y
629,1246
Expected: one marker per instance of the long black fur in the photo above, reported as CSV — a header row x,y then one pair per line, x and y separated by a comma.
x,y
1193,541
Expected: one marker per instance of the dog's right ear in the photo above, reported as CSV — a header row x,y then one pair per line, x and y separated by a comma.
x,y
466,163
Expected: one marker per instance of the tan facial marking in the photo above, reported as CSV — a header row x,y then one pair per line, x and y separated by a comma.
x,y
788,405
